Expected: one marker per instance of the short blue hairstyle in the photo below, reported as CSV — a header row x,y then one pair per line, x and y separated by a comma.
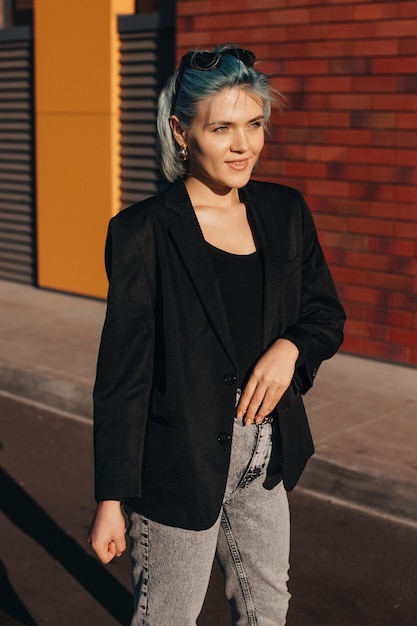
x,y
187,87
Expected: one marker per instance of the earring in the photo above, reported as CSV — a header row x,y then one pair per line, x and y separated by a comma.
x,y
183,153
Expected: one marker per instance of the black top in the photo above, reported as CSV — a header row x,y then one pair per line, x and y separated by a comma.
x,y
241,283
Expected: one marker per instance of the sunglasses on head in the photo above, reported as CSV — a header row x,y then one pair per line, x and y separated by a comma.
x,y
206,61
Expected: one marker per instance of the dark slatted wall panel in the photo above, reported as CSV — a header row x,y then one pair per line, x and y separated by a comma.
x,y
147,58
17,238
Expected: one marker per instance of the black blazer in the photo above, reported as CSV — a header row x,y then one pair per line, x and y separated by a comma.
x,y
166,375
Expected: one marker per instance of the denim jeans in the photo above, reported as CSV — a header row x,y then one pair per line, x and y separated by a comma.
x,y
171,566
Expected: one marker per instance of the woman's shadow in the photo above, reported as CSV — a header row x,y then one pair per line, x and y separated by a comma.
x,y
26,514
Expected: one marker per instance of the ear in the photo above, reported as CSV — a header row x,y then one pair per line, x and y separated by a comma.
x,y
178,132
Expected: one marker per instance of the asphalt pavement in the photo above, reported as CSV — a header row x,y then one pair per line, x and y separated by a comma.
x,y
347,567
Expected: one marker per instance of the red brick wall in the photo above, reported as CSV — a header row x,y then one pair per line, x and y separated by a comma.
x,y
348,141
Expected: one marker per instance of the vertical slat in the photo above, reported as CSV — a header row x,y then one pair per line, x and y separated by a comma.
x,y
17,237
147,58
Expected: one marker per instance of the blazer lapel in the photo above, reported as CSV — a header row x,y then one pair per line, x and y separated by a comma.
x,y
189,240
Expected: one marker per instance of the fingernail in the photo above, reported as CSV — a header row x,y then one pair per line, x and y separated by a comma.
x,y
239,414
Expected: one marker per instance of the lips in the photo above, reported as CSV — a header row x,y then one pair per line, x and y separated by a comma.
x,y
238,165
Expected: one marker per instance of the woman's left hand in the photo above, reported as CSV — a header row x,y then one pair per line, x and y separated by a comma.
x,y
268,382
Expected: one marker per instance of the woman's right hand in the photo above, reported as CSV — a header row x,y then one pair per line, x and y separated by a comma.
x,y
107,531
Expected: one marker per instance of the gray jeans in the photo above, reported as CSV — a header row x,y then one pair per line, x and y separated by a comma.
x,y
171,566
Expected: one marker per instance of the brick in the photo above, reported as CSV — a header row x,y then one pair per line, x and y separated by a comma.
x,y
408,9
394,102
271,167
363,294
382,156
286,151
393,211
396,66
406,120
366,261
405,194
372,119
287,84
350,66
306,135
404,265
376,174
405,157
349,276
355,311
407,84
353,345
390,281
193,8
408,46
289,16
368,330
309,49
346,241
387,351
396,28
306,66
380,84
390,317
402,300
327,14
370,226
350,101
326,153
396,247
332,188
403,336
407,230
327,119
371,190
324,84
295,3
376,11
376,47
350,137
189,40
306,169
394,139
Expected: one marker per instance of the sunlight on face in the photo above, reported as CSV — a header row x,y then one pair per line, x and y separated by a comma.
x,y
226,138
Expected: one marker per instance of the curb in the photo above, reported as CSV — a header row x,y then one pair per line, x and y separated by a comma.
x,y
379,494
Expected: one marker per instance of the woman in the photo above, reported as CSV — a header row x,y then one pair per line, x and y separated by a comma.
x,y
220,310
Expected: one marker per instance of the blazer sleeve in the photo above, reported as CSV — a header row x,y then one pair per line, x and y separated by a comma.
x,y
318,332
124,368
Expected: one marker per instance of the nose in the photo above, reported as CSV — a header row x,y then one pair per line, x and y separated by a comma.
x,y
240,142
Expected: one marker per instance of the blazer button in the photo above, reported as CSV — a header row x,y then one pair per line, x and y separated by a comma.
x,y
224,438
229,379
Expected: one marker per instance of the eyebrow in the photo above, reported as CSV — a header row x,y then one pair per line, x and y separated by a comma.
x,y
226,123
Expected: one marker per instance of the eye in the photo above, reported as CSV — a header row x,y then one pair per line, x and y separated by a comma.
x,y
220,129
257,124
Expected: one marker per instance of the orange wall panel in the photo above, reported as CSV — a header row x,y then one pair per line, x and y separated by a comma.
x,y
77,138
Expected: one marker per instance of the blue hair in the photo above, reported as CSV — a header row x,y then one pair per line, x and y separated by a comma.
x,y
187,87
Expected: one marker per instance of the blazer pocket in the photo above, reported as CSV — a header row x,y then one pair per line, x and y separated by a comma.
x,y
293,265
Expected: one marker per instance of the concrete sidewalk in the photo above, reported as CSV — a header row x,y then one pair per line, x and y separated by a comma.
x,y
363,413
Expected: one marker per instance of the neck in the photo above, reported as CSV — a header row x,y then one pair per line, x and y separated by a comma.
x,y
201,194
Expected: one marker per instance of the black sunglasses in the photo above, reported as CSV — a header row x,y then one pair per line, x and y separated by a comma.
x,y
206,61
